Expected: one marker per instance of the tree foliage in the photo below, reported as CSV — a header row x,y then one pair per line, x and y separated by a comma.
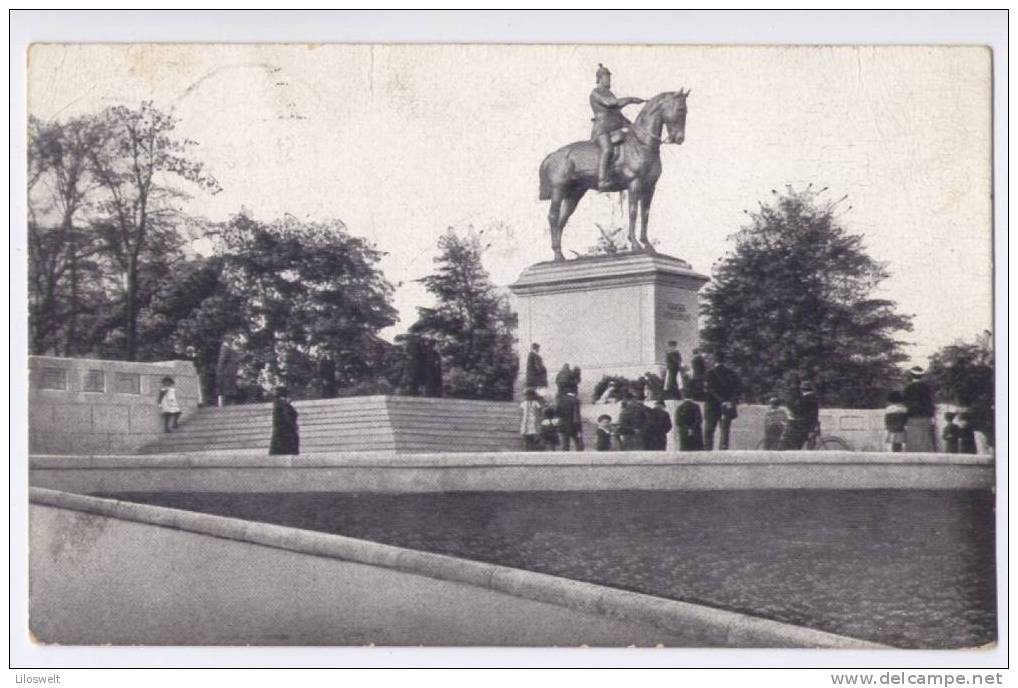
x,y
794,301
295,292
65,301
139,165
112,272
963,374
471,322
105,227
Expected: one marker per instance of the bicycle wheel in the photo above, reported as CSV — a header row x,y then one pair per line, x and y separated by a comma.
x,y
833,443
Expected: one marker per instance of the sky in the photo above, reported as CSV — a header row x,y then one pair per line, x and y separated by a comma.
x,y
402,141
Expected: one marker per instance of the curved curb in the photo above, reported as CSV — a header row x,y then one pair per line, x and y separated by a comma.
x,y
712,626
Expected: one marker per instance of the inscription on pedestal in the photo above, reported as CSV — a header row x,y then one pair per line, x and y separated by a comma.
x,y
676,311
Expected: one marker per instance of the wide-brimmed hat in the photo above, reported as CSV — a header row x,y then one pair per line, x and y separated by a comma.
x,y
916,371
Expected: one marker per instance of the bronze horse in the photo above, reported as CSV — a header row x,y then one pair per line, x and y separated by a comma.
x,y
568,173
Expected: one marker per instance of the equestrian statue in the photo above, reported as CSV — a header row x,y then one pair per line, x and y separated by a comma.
x,y
620,156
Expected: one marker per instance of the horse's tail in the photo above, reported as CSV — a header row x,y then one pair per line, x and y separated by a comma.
x,y
544,192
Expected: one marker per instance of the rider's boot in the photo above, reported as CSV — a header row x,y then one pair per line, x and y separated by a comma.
x,y
603,180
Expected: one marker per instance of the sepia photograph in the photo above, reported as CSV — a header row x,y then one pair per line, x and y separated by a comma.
x,y
455,344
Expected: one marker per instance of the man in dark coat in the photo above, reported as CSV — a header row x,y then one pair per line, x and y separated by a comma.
x,y
536,375
285,437
673,361
567,406
659,424
920,433
632,423
805,417
696,385
723,388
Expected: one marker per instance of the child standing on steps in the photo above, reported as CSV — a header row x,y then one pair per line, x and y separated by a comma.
x,y
168,406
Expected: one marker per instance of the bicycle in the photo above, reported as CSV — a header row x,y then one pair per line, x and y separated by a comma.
x,y
816,441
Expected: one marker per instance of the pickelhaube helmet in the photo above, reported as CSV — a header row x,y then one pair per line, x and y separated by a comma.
x,y
602,71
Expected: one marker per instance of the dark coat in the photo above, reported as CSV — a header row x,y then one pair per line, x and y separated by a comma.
x,y
537,374
604,440
966,440
689,422
415,365
805,410
951,436
722,386
659,424
285,436
327,375
918,399
432,371
568,410
633,418
696,389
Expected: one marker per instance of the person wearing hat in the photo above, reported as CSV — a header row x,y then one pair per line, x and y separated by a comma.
x,y
285,435
920,433
607,119
673,362
805,417
723,387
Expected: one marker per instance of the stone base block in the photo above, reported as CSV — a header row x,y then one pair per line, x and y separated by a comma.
x,y
609,315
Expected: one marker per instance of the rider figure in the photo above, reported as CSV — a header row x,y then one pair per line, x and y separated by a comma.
x,y
607,119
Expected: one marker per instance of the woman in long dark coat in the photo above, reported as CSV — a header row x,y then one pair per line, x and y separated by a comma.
x,y
285,437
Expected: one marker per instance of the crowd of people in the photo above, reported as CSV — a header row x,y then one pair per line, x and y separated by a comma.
x,y
707,399
910,425
705,396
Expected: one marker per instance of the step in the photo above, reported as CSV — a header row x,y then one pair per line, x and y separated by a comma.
x,y
358,422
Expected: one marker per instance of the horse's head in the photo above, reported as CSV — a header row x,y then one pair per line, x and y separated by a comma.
x,y
673,114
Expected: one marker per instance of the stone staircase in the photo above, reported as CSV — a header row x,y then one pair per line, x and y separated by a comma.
x,y
376,423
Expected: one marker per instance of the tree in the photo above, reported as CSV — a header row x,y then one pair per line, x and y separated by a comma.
x,y
793,301
296,292
962,373
63,275
138,164
471,322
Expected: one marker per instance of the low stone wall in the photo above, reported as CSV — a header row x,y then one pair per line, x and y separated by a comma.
x,y
80,405
863,429
105,571
510,472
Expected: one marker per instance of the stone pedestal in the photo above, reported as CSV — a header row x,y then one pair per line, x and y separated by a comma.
x,y
607,314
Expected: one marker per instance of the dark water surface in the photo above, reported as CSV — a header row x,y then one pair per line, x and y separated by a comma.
x,y
907,568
